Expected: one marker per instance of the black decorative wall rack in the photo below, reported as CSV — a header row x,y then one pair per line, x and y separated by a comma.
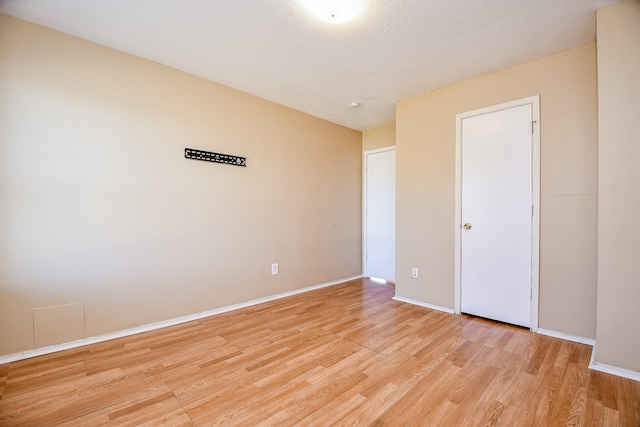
x,y
207,156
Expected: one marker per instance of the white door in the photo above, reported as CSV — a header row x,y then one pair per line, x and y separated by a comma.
x,y
380,214
497,215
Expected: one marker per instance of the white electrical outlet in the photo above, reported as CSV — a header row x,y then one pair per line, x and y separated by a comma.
x,y
274,268
414,273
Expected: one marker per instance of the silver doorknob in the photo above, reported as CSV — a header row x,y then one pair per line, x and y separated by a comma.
x,y
467,226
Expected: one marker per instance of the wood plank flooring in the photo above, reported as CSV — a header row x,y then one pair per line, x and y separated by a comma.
x,y
347,355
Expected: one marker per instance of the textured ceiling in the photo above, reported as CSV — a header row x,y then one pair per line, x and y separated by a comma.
x,y
274,49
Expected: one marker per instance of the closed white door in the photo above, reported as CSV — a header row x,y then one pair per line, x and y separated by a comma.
x,y
380,214
497,215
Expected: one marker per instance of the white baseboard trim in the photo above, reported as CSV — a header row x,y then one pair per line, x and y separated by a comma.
x,y
424,304
162,324
613,370
574,338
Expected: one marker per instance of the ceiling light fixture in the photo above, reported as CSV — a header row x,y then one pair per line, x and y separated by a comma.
x,y
335,11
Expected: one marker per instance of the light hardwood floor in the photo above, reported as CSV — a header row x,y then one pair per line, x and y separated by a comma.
x,y
344,355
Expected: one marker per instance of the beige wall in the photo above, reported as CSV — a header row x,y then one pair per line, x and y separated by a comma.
x,y
618,332
426,135
379,138
98,204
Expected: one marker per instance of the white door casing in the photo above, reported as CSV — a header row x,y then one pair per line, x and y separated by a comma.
x,y
379,213
497,194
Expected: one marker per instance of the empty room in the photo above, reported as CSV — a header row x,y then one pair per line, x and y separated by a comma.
x,y
319,213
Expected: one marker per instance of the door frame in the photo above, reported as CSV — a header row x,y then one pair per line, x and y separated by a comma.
x,y
534,101
365,163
